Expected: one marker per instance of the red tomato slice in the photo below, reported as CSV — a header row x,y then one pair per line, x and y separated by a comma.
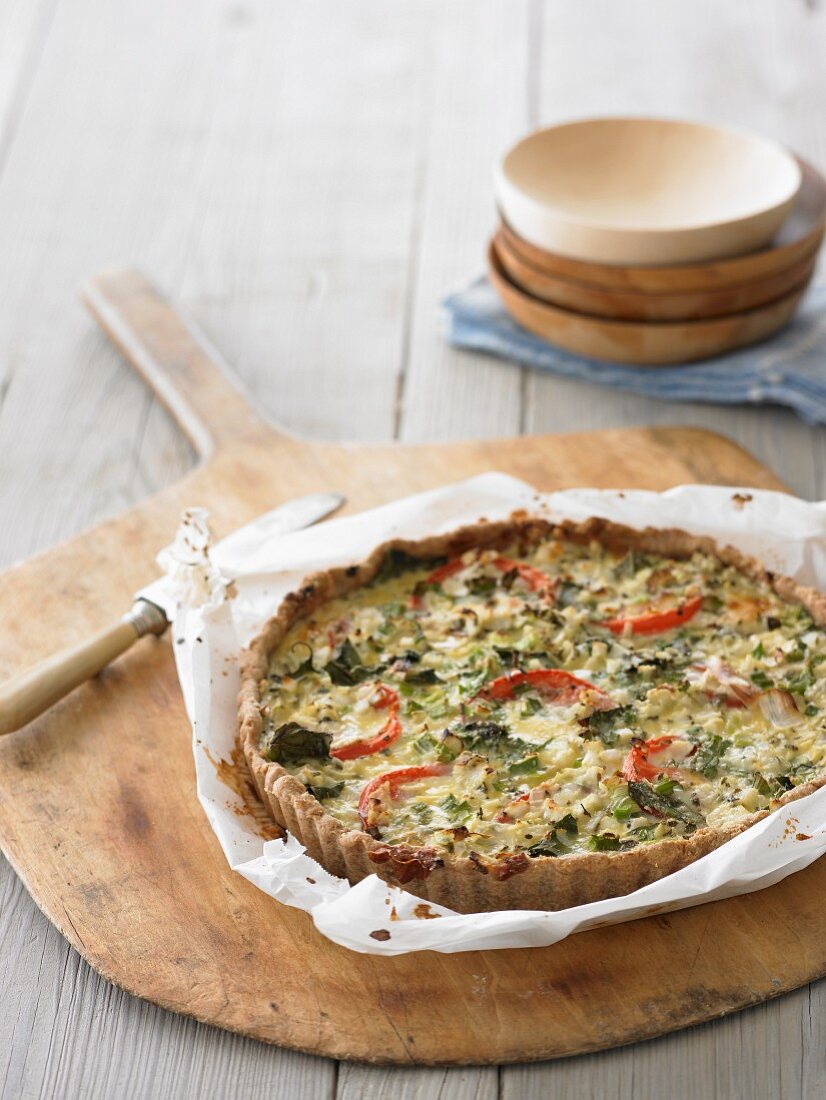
x,y
637,765
395,780
554,684
387,699
655,622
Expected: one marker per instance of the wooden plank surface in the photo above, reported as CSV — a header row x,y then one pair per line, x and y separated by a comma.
x,y
114,119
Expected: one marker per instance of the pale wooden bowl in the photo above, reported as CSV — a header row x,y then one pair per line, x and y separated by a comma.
x,y
799,236
640,305
646,190
650,344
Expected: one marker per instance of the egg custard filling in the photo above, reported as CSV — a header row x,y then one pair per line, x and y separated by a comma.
x,y
548,700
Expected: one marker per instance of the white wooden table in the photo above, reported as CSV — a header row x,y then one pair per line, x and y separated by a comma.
x,y
310,179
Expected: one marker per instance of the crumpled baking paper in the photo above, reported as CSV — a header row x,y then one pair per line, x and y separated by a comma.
x,y
787,534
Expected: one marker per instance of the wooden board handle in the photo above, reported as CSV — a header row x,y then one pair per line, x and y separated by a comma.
x,y
187,374
26,696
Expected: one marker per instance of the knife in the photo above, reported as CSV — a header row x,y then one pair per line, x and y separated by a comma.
x,y
30,693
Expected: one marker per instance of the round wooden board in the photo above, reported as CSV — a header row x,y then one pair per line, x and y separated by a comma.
x,y
640,342
99,817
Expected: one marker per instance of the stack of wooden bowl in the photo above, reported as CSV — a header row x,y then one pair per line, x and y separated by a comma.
x,y
653,241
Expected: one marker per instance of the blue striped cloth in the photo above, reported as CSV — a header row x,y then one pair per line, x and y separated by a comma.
x,y
789,369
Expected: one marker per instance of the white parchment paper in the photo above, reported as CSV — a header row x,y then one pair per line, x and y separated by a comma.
x,y
788,534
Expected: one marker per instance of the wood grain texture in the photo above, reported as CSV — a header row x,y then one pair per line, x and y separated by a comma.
x,y
652,344
135,880
636,305
472,111
80,437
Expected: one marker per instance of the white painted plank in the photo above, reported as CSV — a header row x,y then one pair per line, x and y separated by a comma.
x,y
390,1083
478,63
301,263
773,1050
24,28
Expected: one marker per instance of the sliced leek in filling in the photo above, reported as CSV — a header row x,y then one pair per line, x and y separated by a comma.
x,y
565,700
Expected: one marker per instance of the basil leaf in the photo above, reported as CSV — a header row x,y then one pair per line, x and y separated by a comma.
x,y
708,756
528,765
456,810
347,667
604,842
307,664
294,742
662,805
326,792
551,844
483,735
772,786
605,723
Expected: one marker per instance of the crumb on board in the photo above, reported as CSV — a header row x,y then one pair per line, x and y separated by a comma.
x,y
791,828
424,912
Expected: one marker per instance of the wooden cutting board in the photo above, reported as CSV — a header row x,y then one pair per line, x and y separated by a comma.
x,y
98,813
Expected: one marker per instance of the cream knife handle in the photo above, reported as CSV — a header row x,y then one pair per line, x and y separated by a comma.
x,y
29,693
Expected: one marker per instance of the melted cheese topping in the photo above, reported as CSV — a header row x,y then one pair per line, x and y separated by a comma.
x,y
687,695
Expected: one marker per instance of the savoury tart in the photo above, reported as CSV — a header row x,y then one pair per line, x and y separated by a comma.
x,y
527,715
